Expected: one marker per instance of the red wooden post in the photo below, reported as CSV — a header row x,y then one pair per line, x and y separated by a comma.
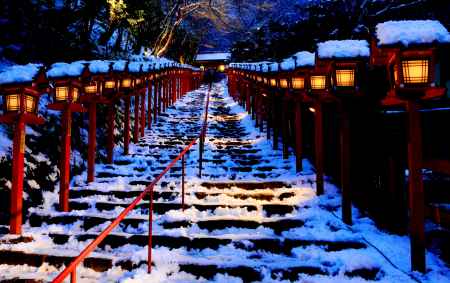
x,y
345,167
247,97
298,136
66,124
182,181
149,105
285,126
136,120
142,128
150,232
73,276
111,128
92,141
126,136
155,101
274,121
415,187
17,178
318,136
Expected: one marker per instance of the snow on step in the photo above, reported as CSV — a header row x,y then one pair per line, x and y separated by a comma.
x,y
262,223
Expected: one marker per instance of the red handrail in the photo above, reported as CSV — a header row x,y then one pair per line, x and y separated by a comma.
x,y
71,268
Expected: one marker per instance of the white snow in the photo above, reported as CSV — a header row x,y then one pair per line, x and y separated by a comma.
x,y
303,58
99,66
134,67
411,32
343,49
58,70
19,73
219,56
119,65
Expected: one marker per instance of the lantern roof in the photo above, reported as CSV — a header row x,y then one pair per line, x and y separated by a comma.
x,y
412,32
335,49
19,74
119,65
99,66
134,67
299,59
60,70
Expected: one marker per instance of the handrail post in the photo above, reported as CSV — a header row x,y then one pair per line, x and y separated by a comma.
x,y
182,182
73,276
150,232
200,160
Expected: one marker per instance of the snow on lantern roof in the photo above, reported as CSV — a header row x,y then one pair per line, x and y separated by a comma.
x,y
304,59
59,70
19,73
99,66
134,67
343,49
119,65
411,32
218,56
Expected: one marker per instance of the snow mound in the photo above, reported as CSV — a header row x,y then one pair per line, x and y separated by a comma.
x,y
19,73
99,67
60,69
134,67
304,59
343,49
411,32
119,66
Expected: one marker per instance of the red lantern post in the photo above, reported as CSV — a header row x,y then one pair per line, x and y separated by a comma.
x,y
66,98
411,72
20,102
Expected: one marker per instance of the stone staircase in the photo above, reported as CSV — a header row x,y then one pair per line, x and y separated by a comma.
x,y
249,218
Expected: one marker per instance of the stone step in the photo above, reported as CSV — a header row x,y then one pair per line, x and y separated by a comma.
x,y
271,245
277,226
246,185
167,195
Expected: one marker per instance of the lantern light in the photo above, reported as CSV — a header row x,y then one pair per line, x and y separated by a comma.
x,y
298,83
345,77
75,94
415,71
110,84
12,102
283,83
318,82
62,93
91,89
30,103
221,68
125,83
273,82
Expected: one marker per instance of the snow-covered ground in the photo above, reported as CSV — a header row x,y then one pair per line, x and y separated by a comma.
x,y
250,217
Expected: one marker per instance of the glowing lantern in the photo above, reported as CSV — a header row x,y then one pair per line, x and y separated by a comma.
x,y
12,102
221,68
284,83
273,82
66,94
110,84
345,77
125,83
318,82
415,71
298,82
91,88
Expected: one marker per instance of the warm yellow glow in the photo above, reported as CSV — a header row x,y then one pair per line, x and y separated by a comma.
x,y
138,81
13,102
283,83
259,79
415,71
110,84
311,109
266,81
202,68
345,78
30,103
318,82
395,73
75,94
62,93
273,82
298,83
221,68
91,88
126,83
